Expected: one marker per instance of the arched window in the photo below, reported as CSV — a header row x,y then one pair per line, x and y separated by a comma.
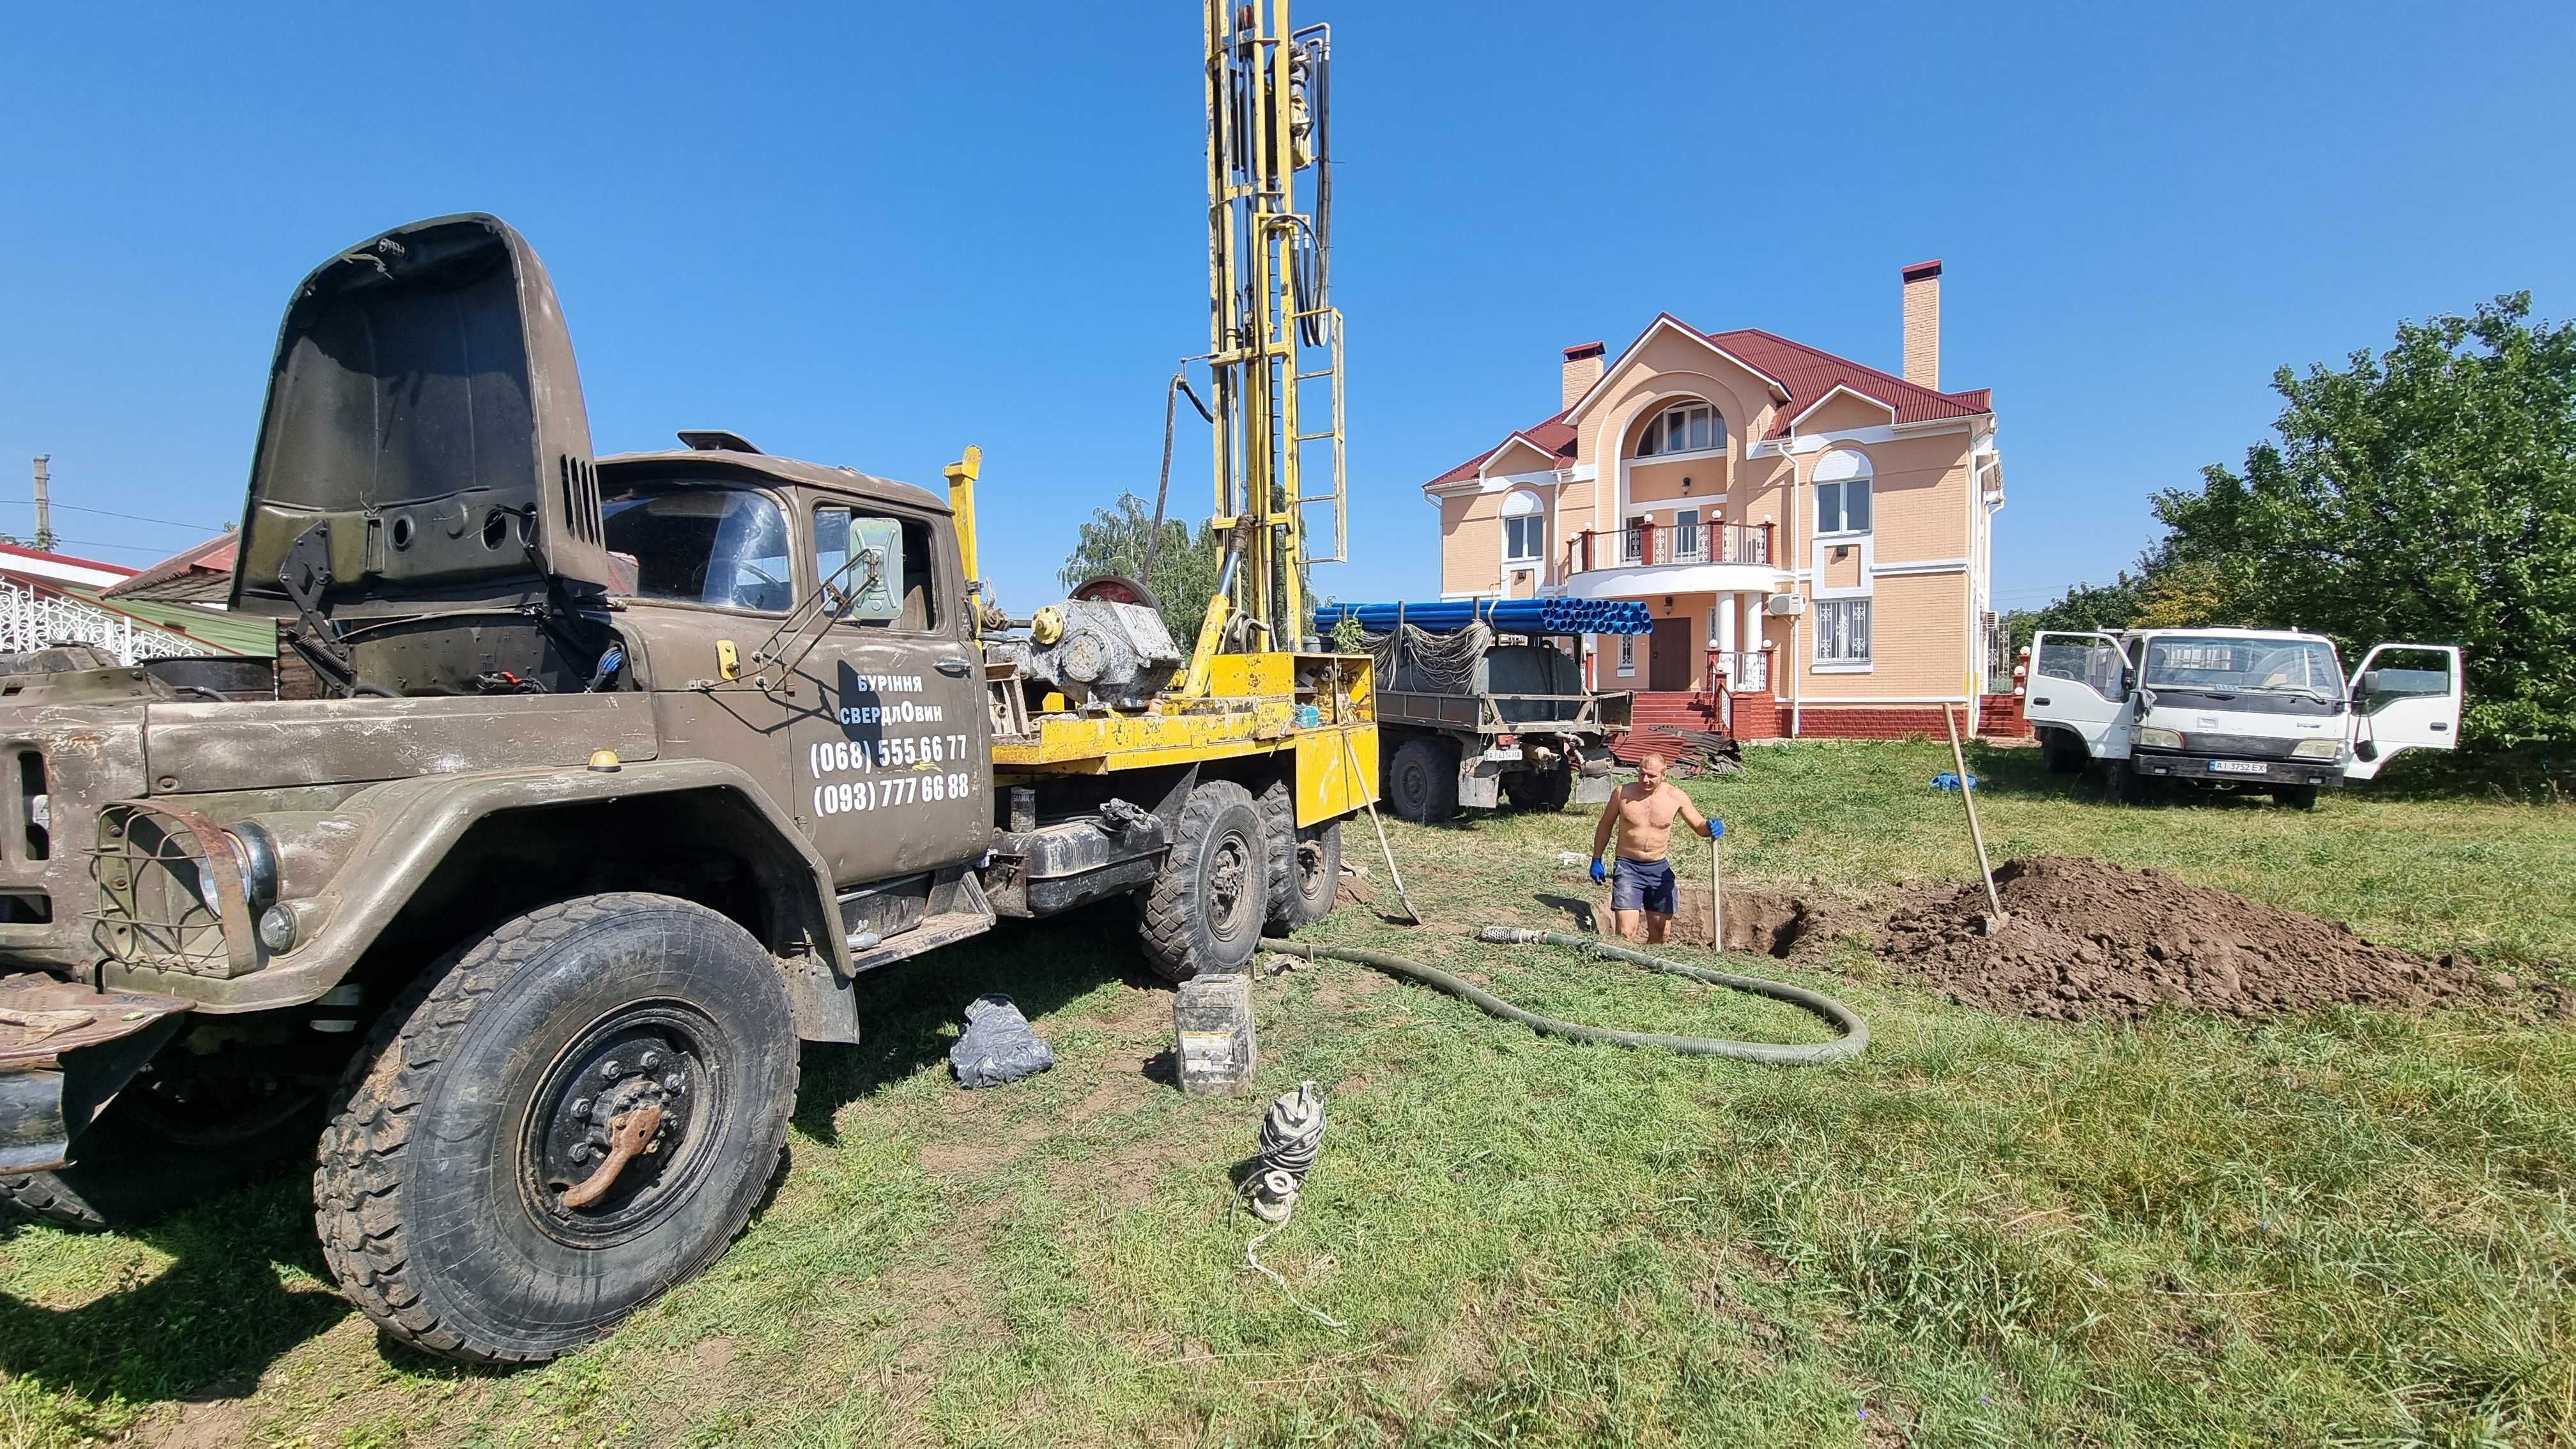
x,y
1524,528
1842,492
1683,427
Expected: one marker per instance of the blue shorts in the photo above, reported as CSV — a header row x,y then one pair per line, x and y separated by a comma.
x,y
1642,885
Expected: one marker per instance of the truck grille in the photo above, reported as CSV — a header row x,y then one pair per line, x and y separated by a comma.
x,y
2237,747
170,894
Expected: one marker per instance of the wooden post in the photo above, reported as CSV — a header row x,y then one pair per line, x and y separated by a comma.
x,y
1976,832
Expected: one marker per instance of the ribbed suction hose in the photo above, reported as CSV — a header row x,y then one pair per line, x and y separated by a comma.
x,y
1854,1040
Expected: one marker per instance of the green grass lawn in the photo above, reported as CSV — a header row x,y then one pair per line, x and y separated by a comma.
x,y
2347,1228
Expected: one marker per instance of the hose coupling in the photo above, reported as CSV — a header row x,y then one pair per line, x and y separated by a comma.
x,y
1511,936
1274,1195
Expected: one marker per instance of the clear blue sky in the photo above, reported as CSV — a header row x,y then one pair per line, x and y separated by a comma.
x,y
871,239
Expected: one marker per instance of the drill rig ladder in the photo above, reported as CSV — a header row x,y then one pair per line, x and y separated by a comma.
x,y
1273,331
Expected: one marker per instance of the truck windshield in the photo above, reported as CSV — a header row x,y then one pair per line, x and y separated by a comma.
x,y
2228,665
699,543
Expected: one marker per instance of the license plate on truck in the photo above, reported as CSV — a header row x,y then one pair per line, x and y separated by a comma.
x,y
2240,767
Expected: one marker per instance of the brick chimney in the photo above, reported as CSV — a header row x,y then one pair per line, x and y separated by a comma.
x,y
1582,369
1923,323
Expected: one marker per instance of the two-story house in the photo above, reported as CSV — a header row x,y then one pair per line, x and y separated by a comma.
x,y
1813,536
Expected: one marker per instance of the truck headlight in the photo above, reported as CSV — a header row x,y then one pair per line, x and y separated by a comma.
x,y
2156,739
256,854
2317,750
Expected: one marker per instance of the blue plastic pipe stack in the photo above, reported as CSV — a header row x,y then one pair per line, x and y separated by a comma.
x,y
1503,616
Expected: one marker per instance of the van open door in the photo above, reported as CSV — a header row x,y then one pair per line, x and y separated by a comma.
x,y
2082,683
2404,697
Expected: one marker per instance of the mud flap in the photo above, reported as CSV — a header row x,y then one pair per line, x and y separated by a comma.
x,y
1480,783
65,1052
1594,768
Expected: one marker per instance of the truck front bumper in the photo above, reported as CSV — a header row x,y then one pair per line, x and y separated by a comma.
x,y
2229,770
65,1051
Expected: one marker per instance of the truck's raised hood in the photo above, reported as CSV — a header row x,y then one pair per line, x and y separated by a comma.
x,y
424,410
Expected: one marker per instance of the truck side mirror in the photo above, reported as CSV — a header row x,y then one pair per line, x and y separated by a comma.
x,y
862,560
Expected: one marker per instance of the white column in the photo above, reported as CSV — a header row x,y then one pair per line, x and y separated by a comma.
x,y
1752,635
1726,613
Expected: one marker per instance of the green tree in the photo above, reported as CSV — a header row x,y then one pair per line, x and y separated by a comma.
x,y
2427,493
2083,606
1112,541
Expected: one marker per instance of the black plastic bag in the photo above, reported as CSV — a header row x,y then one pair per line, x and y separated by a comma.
x,y
998,1045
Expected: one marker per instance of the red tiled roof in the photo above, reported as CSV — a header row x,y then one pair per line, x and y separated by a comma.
x,y
1555,437
215,555
1807,373
1810,373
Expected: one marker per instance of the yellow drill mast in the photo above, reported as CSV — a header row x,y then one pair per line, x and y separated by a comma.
x,y
1252,688
1273,331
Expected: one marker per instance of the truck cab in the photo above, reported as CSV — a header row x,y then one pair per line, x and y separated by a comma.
x,y
2252,710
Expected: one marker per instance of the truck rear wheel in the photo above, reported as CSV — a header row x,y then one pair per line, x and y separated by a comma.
x,y
1422,781
628,1030
193,1123
1544,790
52,1197
1305,861
1202,912
2062,753
126,1174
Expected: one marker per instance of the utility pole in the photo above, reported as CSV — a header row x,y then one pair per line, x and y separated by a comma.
x,y
44,512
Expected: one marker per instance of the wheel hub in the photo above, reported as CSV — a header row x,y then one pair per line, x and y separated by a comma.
x,y
1225,879
613,1131
1310,862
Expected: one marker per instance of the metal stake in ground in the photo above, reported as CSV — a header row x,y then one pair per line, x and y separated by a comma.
x,y
1976,832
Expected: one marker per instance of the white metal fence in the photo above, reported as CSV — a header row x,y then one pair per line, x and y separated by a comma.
x,y
31,620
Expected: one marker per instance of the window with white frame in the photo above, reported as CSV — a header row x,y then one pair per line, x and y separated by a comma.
x,y
1688,427
1842,492
1627,654
1686,534
1842,631
1524,528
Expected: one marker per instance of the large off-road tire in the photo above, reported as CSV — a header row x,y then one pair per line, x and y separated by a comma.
x,y
52,1197
1422,781
1315,877
1305,862
152,1153
2295,797
1204,911
1544,790
489,1089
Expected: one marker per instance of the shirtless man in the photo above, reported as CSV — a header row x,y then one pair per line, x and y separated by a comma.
x,y
1643,813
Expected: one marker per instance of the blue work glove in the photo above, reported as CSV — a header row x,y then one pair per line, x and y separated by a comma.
x,y
1599,875
1716,827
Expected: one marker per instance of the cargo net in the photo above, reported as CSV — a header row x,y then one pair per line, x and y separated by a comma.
x,y
1430,663
158,907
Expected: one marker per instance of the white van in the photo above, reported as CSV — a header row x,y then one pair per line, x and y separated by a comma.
x,y
2259,710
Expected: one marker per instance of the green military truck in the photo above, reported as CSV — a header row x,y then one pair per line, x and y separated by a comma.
x,y
626,770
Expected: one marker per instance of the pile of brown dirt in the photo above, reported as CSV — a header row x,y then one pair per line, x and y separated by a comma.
x,y
2090,940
